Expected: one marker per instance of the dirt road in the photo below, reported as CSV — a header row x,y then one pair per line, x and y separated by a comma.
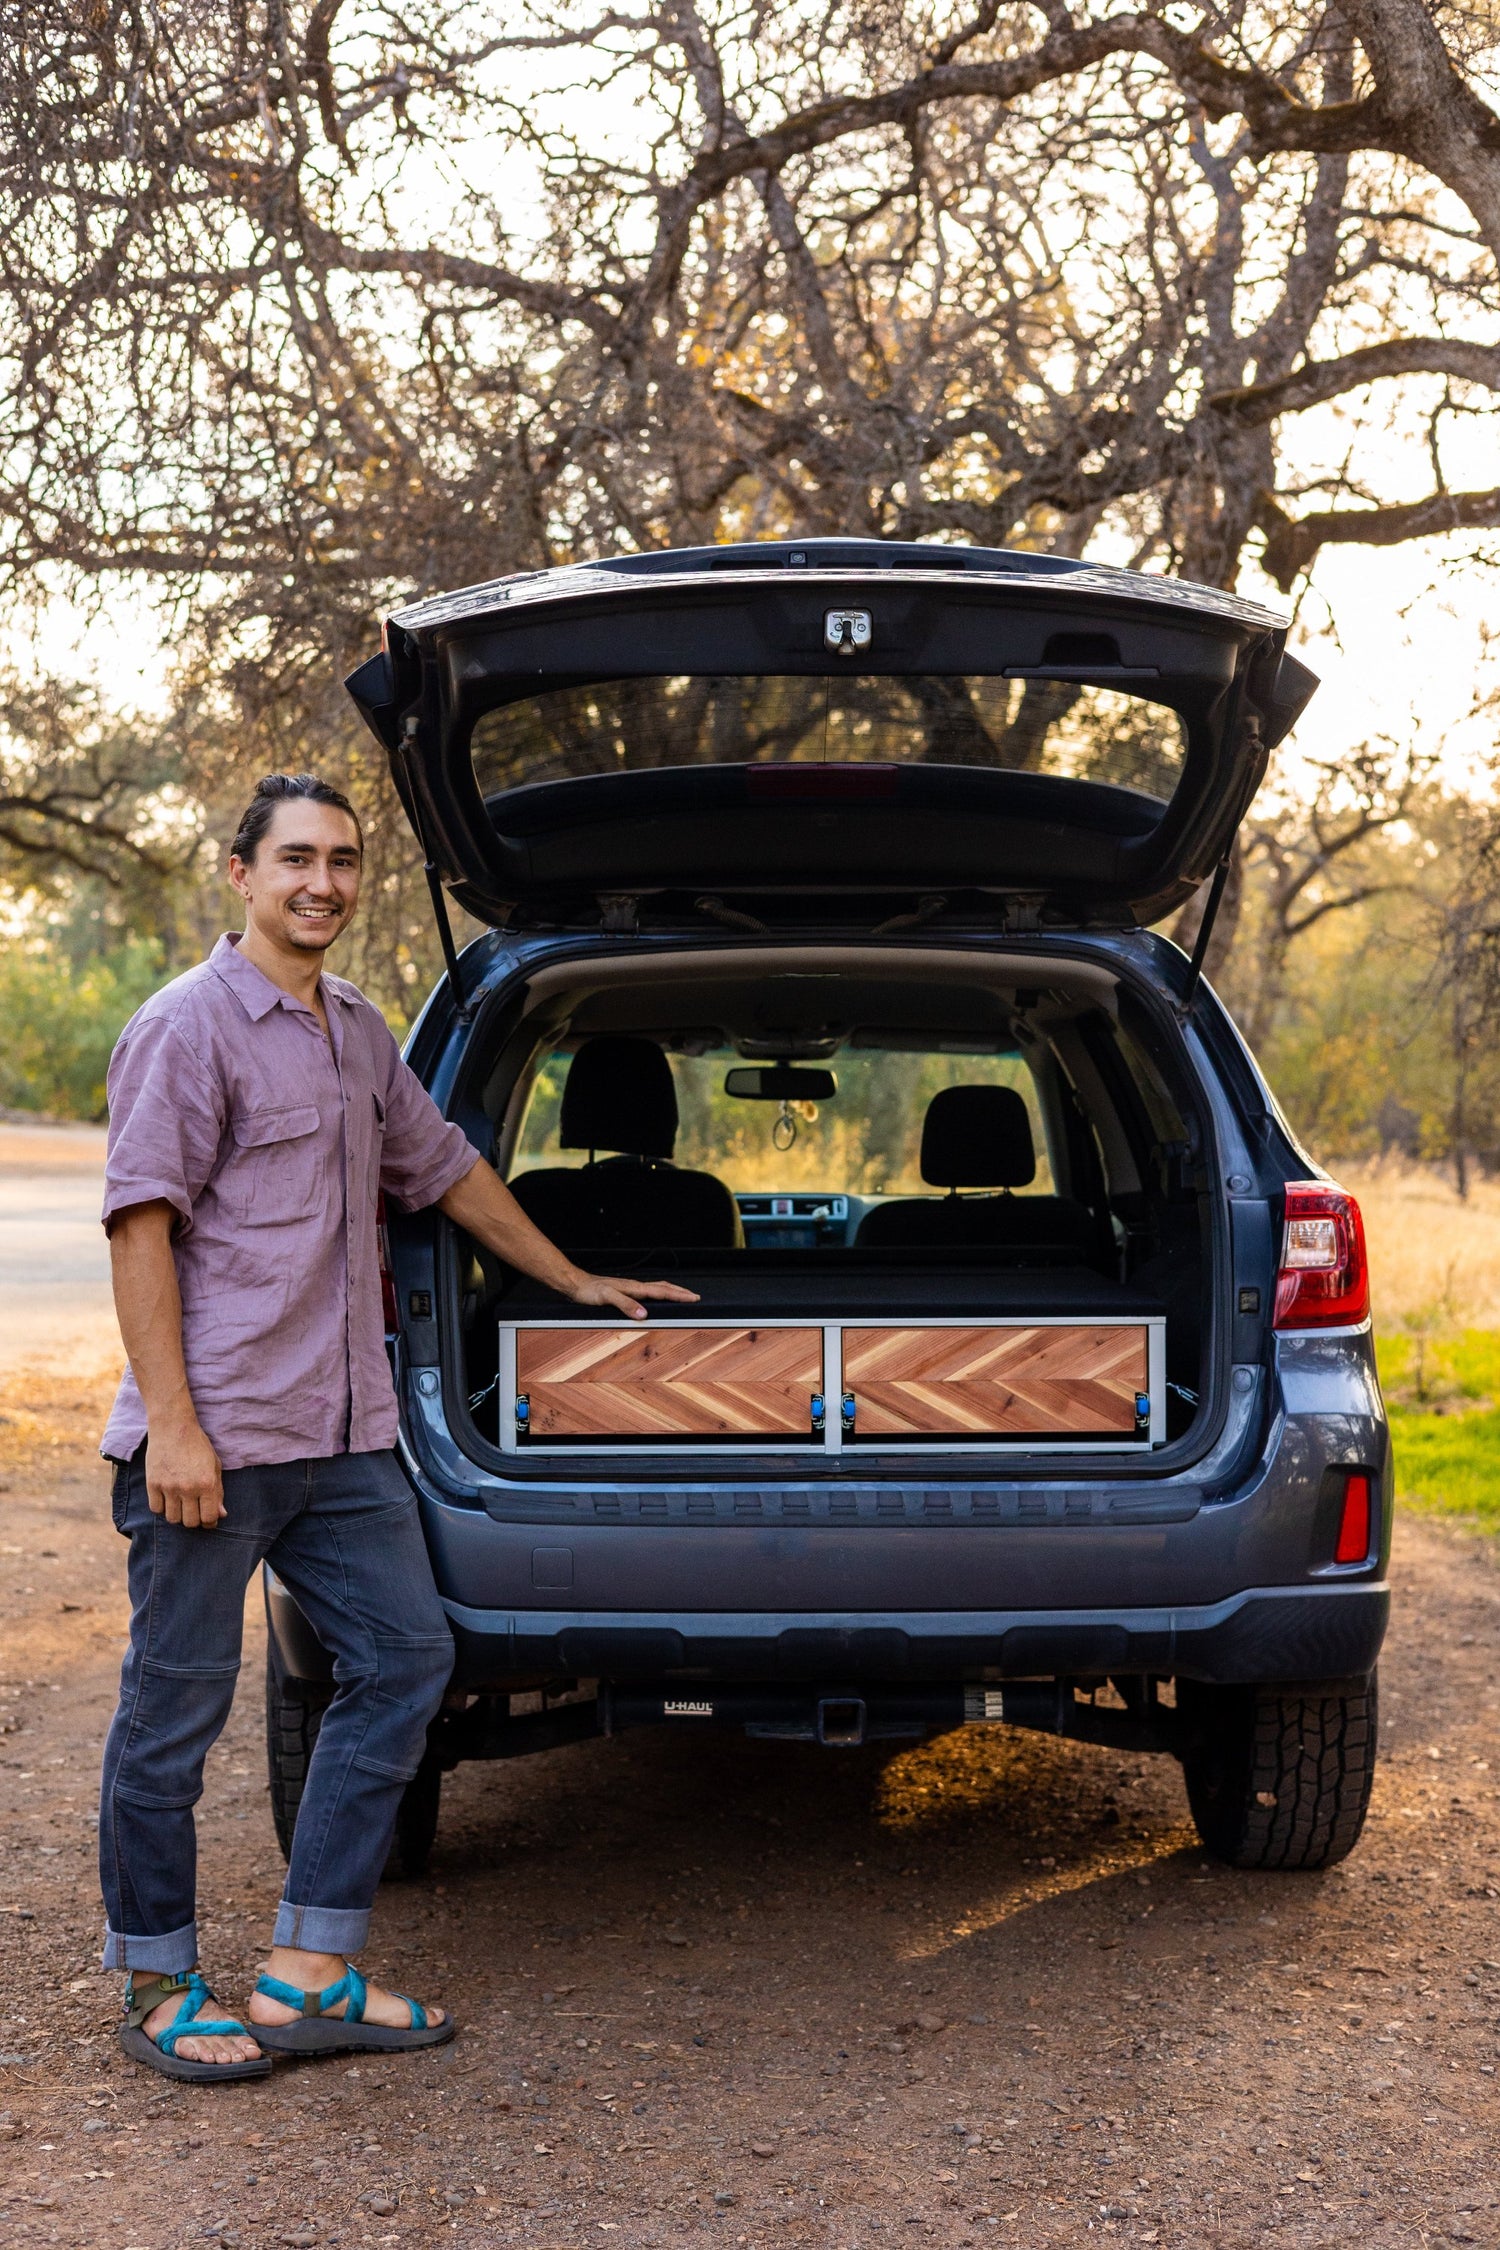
x,y
715,1992
54,1268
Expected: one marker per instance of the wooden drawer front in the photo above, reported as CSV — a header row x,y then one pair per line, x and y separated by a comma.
x,y
661,1382
994,1381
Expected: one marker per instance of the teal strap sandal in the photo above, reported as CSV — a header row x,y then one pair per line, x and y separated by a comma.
x,y
160,2052
316,2032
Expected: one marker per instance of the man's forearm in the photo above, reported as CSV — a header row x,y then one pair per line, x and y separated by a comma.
x,y
148,1306
483,1205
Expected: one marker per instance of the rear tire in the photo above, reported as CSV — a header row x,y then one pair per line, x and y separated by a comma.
x,y
294,1713
417,1819
1279,1779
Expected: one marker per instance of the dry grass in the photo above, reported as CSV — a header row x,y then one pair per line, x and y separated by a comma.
x,y
1434,1260
48,1409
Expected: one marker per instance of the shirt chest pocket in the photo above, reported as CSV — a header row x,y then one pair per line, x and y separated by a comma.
x,y
275,1171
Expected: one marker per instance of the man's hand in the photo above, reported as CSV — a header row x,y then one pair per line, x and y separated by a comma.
x,y
184,1481
625,1296
484,1205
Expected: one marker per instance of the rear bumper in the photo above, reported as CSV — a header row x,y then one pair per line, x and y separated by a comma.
x,y
1262,1636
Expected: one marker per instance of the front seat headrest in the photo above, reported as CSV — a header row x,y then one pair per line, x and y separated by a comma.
x,y
977,1137
620,1095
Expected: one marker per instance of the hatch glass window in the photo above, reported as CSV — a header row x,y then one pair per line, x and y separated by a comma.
x,y
1062,728
865,1141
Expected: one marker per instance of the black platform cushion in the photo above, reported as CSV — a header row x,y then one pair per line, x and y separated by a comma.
x,y
619,1095
977,1137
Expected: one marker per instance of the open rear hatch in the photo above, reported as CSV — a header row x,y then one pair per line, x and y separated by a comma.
x,y
803,726
1010,1254
850,739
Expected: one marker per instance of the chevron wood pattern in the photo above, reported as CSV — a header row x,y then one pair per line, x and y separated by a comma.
x,y
662,1382
995,1381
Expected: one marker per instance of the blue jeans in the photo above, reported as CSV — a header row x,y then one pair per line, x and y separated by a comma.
x,y
343,1536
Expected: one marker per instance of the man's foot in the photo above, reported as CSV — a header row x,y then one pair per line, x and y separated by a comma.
x,y
160,2012
220,2048
315,1972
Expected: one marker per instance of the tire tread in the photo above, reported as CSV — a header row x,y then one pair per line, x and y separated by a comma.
x,y
294,1714
1313,1755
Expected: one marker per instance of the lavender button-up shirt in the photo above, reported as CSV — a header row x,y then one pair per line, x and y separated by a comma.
x,y
226,1101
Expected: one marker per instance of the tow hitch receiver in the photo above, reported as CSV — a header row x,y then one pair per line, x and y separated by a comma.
x,y
841,1721
497,1725
838,1718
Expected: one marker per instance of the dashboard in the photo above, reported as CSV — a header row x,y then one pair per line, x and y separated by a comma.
x,y
808,1220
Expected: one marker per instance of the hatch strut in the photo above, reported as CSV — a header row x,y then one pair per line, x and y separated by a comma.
x,y
435,891
1205,932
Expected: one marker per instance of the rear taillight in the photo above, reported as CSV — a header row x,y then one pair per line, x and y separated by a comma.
x,y
387,1278
1324,1279
1353,1542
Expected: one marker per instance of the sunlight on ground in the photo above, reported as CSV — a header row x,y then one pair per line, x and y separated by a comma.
x,y
1053,1802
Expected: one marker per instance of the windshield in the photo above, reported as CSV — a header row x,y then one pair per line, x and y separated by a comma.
x,y
1045,726
865,1141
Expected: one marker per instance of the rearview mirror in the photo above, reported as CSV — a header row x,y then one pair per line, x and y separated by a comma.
x,y
781,1083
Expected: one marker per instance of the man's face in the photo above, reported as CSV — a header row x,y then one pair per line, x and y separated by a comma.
x,y
302,886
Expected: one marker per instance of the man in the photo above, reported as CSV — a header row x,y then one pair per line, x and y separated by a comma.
x,y
257,1106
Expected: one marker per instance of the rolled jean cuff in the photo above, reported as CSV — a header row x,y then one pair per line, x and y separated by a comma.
x,y
177,1950
322,1929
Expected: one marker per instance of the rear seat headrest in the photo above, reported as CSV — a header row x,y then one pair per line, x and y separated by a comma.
x,y
620,1095
977,1137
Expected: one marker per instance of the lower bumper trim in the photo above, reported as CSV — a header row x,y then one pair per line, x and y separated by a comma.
x,y
1260,1636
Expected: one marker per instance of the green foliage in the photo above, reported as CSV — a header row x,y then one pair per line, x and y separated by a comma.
x,y
1373,1018
1444,1428
1355,1042
59,1021
1448,1369
1449,1464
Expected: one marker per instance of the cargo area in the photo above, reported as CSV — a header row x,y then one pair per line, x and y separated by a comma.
x,y
927,1200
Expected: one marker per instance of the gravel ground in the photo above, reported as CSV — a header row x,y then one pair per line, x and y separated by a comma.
x,y
721,1992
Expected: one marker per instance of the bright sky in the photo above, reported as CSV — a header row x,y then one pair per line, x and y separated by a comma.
x,y
1399,643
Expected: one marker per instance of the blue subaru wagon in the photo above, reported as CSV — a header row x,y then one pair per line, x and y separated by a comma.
x,y
1030,1381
